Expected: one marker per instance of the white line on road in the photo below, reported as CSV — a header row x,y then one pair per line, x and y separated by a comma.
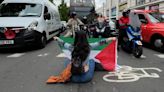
x,y
142,56
61,55
16,55
43,55
159,55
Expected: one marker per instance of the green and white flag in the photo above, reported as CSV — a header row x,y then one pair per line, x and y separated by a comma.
x,y
104,54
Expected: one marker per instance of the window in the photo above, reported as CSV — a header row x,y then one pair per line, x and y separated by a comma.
x,y
156,17
154,7
152,0
20,10
121,1
45,10
141,17
113,11
140,2
47,14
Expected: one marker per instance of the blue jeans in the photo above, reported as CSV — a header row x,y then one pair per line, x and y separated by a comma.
x,y
85,77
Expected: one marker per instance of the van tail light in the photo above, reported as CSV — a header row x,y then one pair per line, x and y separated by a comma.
x,y
10,34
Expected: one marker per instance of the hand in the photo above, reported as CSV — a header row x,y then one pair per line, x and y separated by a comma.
x,y
86,68
56,38
113,38
110,38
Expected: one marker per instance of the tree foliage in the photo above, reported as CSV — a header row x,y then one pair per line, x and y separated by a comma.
x,y
63,10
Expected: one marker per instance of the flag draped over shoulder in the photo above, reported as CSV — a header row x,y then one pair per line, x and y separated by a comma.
x,y
105,54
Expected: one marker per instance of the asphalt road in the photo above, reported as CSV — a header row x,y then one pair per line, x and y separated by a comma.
x,y
27,71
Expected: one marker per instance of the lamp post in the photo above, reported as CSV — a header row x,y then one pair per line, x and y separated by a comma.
x,y
109,7
103,10
117,9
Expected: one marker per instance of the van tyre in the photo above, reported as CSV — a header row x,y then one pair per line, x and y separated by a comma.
x,y
137,52
158,43
42,41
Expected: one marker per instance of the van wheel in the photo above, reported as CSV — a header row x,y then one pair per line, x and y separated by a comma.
x,y
158,43
42,41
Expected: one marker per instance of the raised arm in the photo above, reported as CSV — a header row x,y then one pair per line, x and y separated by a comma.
x,y
80,22
101,42
63,44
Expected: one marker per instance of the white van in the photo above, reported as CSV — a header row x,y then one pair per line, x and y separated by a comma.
x,y
26,22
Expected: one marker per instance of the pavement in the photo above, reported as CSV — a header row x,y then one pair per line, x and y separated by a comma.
x,y
27,71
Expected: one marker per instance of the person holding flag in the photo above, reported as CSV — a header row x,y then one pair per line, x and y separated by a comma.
x,y
73,24
80,68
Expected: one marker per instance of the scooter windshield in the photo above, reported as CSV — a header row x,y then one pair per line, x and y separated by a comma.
x,y
100,25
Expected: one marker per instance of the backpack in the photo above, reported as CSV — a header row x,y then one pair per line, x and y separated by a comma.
x,y
77,66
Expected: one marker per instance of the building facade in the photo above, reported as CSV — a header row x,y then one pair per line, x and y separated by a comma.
x,y
82,2
115,7
103,10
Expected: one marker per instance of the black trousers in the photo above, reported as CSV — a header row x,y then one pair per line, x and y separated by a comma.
x,y
122,33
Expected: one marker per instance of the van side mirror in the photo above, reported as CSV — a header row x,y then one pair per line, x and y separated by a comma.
x,y
47,16
144,21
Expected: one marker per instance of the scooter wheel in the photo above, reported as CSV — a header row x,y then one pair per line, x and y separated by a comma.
x,y
137,52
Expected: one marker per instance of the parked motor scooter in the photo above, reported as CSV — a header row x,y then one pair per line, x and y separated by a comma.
x,y
101,29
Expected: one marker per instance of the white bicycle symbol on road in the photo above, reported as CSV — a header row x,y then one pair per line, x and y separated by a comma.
x,y
129,74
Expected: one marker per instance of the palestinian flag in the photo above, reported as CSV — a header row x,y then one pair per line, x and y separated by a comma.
x,y
105,54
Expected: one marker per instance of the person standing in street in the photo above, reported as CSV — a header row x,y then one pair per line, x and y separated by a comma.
x,y
123,24
91,18
73,24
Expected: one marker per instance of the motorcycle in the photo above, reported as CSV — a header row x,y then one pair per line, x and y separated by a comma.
x,y
101,29
132,41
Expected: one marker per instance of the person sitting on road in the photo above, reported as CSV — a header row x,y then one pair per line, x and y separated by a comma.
x,y
80,68
73,24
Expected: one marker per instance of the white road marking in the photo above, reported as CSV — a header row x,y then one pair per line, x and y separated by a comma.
x,y
16,55
43,55
142,56
61,55
129,74
160,55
